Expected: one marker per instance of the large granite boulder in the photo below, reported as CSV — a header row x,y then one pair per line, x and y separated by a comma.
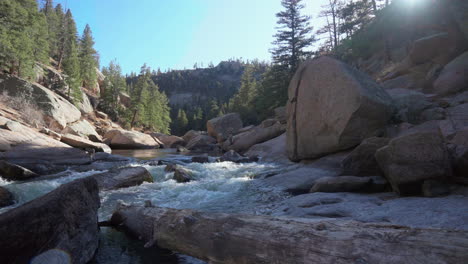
x,y
224,126
417,155
64,219
192,134
122,178
124,139
169,141
267,130
427,48
82,143
333,107
83,129
58,111
202,143
361,161
454,76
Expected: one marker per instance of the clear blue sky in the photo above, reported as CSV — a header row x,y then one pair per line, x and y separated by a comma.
x,y
177,33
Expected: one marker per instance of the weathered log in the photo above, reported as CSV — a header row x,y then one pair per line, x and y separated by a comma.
x,y
242,239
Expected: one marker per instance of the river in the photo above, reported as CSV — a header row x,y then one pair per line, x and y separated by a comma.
x,y
219,187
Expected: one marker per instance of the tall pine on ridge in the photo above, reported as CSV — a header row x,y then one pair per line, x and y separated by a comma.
x,y
88,61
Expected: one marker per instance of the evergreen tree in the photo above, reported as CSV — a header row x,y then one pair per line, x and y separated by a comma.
x,y
181,122
53,25
21,27
293,36
242,102
113,85
87,57
71,67
139,95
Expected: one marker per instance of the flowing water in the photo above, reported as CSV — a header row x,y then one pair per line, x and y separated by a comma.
x,y
218,187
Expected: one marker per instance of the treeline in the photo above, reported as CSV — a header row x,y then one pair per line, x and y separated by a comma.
x,y
41,32
30,33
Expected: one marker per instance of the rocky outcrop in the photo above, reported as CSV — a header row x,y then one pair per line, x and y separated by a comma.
x,y
192,134
410,105
417,155
122,178
125,99
342,184
169,141
83,129
82,143
84,105
225,238
223,127
361,161
13,172
6,197
427,48
235,157
271,150
454,76
58,110
202,143
267,130
124,139
64,219
333,107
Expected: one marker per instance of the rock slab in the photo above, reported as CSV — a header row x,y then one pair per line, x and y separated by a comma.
x,y
64,219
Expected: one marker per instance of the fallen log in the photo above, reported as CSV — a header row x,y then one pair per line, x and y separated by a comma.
x,y
242,239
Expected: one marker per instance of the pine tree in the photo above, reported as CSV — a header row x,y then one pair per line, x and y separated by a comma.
x,y
242,102
113,85
140,95
293,36
20,39
53,24
181,122
71,67
87,57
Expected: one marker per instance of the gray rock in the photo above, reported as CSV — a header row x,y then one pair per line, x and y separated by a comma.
x,y
64,219
417,155
169,141
433,188
296,180
342,184
426,48
267,130
57,109
201,159
361,161
79,142
449,212
271,150
6,197
235,157
13,172
83,129
182,175
122,178
333,107
202,143
224,126
124,139
410,105
454,76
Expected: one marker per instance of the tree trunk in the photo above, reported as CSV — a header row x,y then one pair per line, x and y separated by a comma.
x,y
241,239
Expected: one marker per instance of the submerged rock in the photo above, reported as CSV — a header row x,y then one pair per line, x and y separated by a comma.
x,y
201,159
182,175
64,219
122,178
333,107
6,197
13,172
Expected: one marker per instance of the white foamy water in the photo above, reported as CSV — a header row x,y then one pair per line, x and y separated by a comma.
x,y
24,192
218,187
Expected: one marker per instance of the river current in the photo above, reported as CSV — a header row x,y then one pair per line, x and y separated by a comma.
x,y
218,187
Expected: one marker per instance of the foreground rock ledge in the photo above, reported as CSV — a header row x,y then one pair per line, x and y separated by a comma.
x,y
64,219
242,239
